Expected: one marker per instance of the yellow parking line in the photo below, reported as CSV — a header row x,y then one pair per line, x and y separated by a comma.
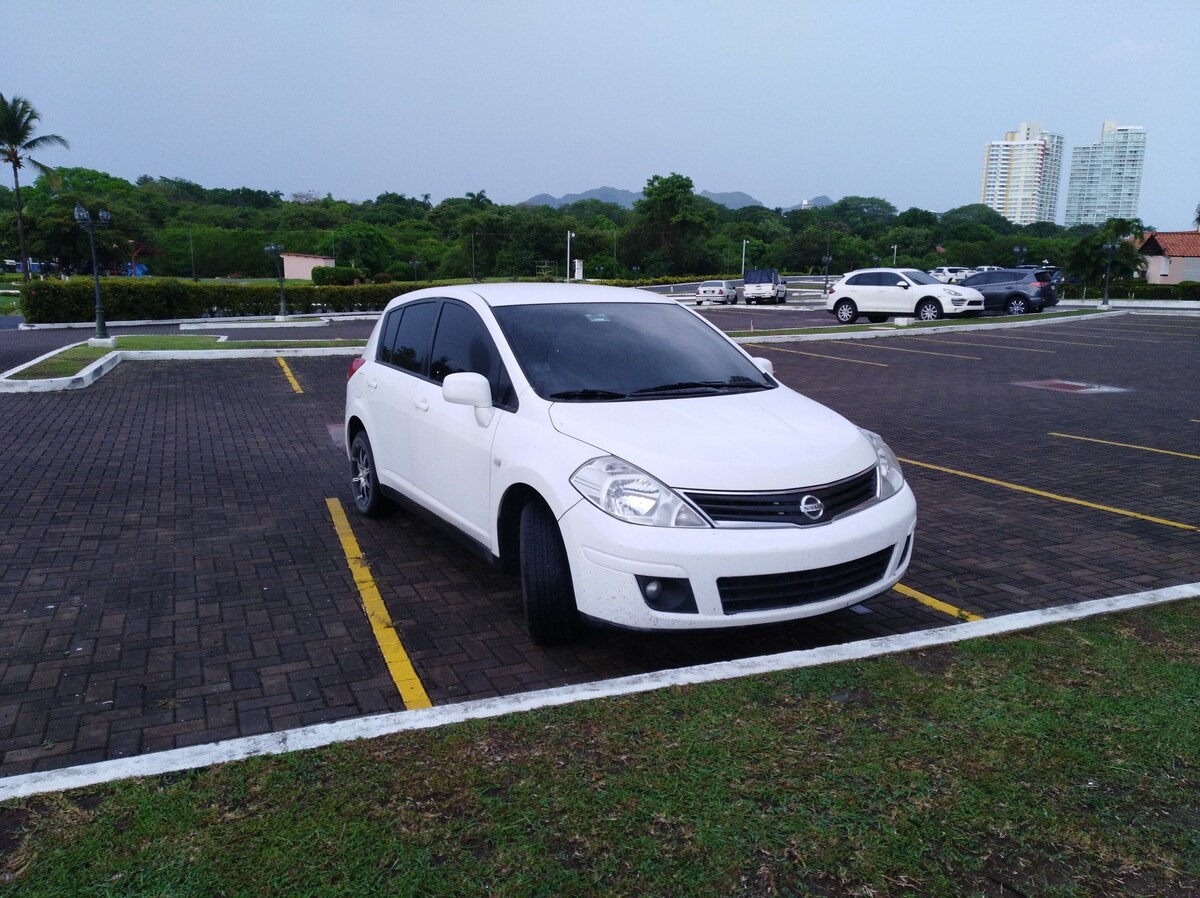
x,y
817,355
1067,436
1055,496
287,372
871,344
935,603
987,345
398,664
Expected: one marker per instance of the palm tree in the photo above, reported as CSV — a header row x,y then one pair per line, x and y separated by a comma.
x,y
1196,221
17,126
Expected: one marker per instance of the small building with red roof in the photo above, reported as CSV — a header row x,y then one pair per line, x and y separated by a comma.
x,y
1171,256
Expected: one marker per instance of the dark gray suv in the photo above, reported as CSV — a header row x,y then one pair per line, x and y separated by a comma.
x,y
1016,291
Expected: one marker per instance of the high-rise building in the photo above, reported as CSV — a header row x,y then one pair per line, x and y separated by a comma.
x,y
1106,177
1021,175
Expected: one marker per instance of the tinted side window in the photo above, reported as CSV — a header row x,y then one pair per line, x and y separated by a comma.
x,y
387,337
410,350
858,280
462,343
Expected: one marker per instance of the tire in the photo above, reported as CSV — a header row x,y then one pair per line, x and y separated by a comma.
x,y
928,310
1017,305
877,319
845,311
369,500
550,611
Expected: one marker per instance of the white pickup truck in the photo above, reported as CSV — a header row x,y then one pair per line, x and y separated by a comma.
x,y
763,285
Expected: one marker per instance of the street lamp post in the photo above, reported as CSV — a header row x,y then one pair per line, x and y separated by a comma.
x,y
415,265
84,219
570,234
894,248
744,242
1020,253
1109,249
275,250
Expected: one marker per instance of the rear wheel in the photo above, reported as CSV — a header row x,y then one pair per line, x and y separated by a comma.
x,y
845,311
550,611
928,310
364,483
1017,305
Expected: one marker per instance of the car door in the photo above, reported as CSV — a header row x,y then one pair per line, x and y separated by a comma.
x,y
394,379
451,450
894,299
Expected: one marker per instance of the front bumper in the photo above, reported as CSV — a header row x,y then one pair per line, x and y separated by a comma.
x,y
608,556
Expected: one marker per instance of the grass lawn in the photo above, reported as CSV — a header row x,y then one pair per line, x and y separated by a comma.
x,y
71,361
1060,762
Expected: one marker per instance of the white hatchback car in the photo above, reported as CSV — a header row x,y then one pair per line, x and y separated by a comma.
x,y
880,293
623,456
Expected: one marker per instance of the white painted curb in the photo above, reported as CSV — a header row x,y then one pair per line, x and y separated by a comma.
x,y
427,718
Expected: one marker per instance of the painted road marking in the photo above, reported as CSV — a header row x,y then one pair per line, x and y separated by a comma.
x,y
1068,436
1045,495
935,603
987,345
1068,386
1110,336
321,734
398,664
287,372
817,355
874,344
995,336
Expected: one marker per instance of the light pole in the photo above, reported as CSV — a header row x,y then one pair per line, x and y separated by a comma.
x,y
1109,249
825,260
84,219
744,242
1020,253
570,234
275,250
415,265
894,246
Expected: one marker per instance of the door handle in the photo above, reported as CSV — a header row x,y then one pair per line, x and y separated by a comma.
x,y
421,404
372,382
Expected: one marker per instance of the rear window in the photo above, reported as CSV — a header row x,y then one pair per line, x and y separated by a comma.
x,y
761,276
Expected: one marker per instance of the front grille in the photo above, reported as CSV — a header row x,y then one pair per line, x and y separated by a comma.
x,y
769,591
787,507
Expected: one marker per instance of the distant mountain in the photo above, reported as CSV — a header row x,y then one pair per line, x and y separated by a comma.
x,y
626,199
735,200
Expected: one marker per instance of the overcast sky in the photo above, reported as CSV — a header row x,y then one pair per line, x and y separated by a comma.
x,y
783,100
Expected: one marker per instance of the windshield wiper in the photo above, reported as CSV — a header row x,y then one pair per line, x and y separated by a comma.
x,y
588,394
698,386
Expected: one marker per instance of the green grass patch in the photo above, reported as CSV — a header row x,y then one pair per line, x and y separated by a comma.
x,y
1060,763
74,359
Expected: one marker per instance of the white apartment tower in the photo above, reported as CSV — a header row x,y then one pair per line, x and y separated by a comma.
x,y
1021,175
1106,177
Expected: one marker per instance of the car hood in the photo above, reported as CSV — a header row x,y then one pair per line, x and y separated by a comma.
x,y
770,440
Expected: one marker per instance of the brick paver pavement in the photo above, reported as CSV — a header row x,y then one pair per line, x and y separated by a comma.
x,y
169,574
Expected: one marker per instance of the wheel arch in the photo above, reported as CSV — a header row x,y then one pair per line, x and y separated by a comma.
x,y
508,524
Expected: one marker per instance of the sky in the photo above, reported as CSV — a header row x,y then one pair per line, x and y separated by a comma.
x,y
783,100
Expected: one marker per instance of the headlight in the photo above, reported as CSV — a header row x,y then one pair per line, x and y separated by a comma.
x,y
630,494
953,293
891,478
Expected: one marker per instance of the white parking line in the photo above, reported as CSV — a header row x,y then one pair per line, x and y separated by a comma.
x,y
427,718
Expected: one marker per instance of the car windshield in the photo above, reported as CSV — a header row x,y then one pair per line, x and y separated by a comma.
x,y
602,352
919,277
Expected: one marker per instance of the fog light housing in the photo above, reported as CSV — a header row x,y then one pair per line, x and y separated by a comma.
x,y
668,594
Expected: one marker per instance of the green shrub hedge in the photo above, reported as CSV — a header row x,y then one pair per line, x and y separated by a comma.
x,y
341,276
156,299
1135,289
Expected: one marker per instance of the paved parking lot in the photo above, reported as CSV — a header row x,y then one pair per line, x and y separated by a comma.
x,y
170,574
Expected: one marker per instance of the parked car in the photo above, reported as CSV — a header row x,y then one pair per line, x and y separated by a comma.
x,y
724,292
763,285
880,293
591,439
1016,291
949,274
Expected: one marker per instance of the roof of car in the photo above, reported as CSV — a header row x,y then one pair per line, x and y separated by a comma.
x,y
522,294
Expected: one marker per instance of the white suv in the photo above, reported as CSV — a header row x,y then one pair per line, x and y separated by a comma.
x,y
626,458
880,293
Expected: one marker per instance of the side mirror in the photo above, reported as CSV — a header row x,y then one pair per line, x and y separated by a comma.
x,y
469,388
765,366
903,284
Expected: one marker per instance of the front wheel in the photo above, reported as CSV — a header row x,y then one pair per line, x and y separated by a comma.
x,y
364,482
928,310
845,311
550,611
1017,306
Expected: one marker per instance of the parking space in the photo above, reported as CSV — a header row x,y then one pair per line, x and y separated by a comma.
x,y
171,572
